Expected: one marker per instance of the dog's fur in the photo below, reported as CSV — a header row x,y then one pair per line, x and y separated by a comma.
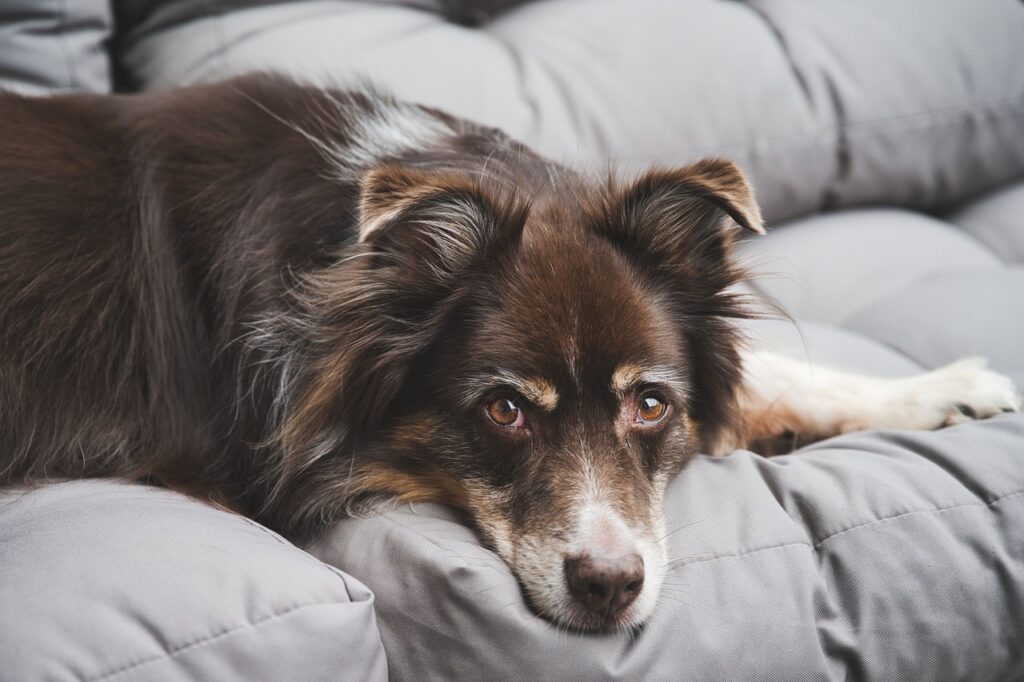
x,y
296,302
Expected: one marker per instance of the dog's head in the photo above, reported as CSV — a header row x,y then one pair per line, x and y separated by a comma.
x,y
545,366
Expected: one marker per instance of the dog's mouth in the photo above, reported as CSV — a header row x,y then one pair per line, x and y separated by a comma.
x,y
604,577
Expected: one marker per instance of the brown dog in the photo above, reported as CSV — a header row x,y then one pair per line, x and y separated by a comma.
x,y
297,302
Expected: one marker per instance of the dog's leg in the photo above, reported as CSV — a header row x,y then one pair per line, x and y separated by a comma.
x,y
786,402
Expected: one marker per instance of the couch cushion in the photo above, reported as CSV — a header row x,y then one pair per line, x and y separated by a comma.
x,y
871,556
55,45
927,95
930,289
107,581
826,103
997,220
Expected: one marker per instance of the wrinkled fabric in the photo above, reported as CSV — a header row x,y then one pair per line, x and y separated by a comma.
x,y
882,556
50,45
102,580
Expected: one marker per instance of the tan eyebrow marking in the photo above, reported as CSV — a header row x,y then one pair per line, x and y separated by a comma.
x,y
629,375
626,376
538,391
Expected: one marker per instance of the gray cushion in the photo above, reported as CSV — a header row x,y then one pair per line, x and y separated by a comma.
x,y
826,103
107,581
884,556
50,45
997,221
929,289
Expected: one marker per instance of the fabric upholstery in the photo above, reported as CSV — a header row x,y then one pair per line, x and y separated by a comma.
x,y
48,45
875,556
932,289
826,103
108,581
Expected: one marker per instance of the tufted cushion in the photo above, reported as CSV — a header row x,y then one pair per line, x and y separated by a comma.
x,y
108,581
55,45
827,103
929,289
873,556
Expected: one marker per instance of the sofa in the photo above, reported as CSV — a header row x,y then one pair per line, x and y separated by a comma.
x,y
885,142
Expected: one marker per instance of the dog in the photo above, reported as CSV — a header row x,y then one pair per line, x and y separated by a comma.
x,y
298,302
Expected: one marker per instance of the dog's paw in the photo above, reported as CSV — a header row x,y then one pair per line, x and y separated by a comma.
x,y
963,391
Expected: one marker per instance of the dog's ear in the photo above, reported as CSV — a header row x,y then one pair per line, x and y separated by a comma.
x,y
676,227
681,221
385,302
431,227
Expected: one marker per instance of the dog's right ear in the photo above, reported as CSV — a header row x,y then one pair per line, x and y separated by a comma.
x,y
432,226
385,302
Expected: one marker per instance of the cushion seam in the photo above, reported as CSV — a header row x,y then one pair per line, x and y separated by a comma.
x,y
940,510
208,639
744,553
815,546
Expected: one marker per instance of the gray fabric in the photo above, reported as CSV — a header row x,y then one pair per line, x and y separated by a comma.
x,y
931,290
829,346
880,556
938,320
157,15
830,267
107,581
997,221
826,103
50,45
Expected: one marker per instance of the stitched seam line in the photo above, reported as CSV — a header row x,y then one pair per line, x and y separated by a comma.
x,y
969,505
209,639
744,553
814,547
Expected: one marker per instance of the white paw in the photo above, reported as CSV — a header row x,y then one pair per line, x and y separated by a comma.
x,y
959,392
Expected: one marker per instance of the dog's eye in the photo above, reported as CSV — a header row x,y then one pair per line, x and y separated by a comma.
x,y
652,409
505,412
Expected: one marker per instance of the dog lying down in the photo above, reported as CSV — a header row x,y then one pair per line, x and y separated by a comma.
x,y
298,302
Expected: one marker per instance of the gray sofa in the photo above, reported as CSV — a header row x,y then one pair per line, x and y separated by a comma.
x,y
886,144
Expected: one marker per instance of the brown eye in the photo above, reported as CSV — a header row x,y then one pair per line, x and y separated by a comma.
x,y
505,412
651,409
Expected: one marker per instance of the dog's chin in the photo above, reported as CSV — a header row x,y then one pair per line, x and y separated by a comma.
x,y
572,617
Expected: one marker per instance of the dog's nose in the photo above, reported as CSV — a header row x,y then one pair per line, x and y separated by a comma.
x,y
605,585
